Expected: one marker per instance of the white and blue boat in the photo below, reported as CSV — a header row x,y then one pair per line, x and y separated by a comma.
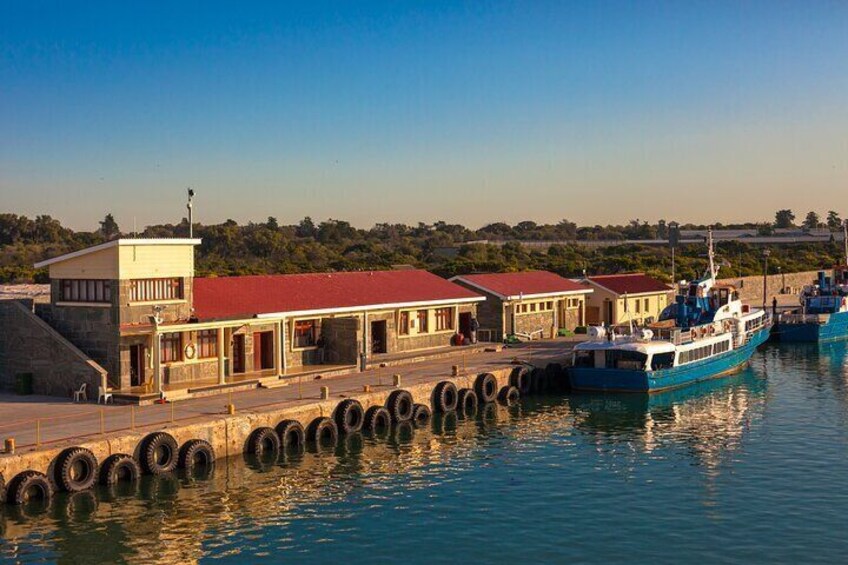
x,y
823,314
706,333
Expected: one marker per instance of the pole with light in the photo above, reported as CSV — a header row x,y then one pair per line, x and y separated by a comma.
x,y
766,253
673,241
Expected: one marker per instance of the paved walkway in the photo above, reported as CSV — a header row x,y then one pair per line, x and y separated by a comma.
x,y
35,420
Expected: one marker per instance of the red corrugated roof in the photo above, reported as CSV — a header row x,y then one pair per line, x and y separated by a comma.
x,y
526,283
244,297
631,283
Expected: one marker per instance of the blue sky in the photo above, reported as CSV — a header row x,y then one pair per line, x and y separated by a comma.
x,y
418,111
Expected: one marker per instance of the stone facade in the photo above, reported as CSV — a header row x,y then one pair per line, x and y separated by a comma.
x,y
751,288
29,345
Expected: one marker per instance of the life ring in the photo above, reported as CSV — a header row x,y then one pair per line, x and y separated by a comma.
x,y
712,330
190,351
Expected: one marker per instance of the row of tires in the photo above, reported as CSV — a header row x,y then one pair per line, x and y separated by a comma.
x,y
76,469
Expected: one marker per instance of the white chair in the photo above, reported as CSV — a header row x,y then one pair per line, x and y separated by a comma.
x,y
79,395
104,395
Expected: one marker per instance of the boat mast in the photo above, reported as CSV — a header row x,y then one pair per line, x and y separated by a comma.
x,y
845,239
711,252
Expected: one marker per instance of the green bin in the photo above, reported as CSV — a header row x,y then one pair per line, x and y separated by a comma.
x,y
23,383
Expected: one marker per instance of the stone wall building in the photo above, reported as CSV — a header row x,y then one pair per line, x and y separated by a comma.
x,y
133,309
620,299
530,304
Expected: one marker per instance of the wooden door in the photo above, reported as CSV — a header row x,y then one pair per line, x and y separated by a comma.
x,y
238,353
138,361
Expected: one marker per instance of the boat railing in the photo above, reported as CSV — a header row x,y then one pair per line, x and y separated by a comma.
x,y
802,318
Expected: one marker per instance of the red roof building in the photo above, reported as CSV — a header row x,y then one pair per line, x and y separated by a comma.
x,y
322,293
629,283
624,298
525,284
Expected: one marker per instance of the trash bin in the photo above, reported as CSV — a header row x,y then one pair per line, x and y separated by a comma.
x,y
23,383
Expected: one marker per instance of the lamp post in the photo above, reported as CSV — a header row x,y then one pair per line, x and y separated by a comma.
x,y
673,241
766,253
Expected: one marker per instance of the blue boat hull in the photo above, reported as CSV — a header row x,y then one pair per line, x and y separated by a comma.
x,y
835,328
620,380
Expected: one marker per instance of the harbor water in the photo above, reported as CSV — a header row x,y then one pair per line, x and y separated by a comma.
x,y
749,468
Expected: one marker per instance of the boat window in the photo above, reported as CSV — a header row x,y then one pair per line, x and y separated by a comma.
x,y
662,361
584,359
631,360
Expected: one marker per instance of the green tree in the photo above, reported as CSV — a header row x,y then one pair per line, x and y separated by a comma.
x,y
812,220
784,219
109,227
833,220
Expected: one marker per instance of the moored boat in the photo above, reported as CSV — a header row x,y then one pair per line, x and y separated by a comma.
x,y
706,333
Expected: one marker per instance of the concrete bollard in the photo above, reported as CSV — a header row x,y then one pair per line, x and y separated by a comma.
x,y
366,388
231,409
10,445
396,380
455,370
325,393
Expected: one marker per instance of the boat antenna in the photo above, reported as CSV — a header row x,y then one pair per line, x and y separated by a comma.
x,y
711,252
845,239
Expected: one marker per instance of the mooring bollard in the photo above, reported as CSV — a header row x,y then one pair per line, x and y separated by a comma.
x,y
325,393
396,380
10,445
455,371
366,388
231,409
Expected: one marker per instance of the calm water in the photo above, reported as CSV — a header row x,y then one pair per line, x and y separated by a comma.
x,y
750,468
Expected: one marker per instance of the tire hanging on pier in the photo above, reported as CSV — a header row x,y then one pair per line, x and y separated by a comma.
x,y
263,441
75,469
486,387
399,405
29,486
557,380
467,403
509,395
292,435
377,421
445,397
421,415
349,416
197,454
323,432
541,380
159,453
119,467
520,379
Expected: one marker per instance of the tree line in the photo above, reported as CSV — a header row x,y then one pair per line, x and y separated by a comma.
x,y
447,249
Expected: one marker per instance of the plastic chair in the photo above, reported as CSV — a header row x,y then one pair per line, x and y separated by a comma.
x,y
80,395
104,395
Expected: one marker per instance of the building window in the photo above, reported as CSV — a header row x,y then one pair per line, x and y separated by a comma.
x,y
638,305
549,305
85,290
533,307
423,326
646,305
304,333
403,323
154,290
444,319
172,347
207,344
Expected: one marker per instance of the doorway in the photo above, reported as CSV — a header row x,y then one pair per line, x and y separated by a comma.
x,y
465,325
238,353
608,312
378,337
138,361
263,351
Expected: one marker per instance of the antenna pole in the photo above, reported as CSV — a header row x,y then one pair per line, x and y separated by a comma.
x,y
190,210
711,252
845,239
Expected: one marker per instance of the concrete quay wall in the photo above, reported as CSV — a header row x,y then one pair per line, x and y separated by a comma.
x,y
228,434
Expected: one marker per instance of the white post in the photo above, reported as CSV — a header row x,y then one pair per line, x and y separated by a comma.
x,y
278,348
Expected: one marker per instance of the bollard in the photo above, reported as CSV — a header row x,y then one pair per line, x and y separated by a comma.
x,y
231,409
366,388
396,380
455,371
10,445
325,392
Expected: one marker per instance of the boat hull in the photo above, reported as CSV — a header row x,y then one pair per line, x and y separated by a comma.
x,y
620,380
835,328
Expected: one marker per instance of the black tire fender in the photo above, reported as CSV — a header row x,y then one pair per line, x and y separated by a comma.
x,y
323,432
445,397
119,467
486,387
196,453
467,402
75,469
400,404
292,435
28,485
421,415
520,379
377,419
509,395
349,416
263,441
159,453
